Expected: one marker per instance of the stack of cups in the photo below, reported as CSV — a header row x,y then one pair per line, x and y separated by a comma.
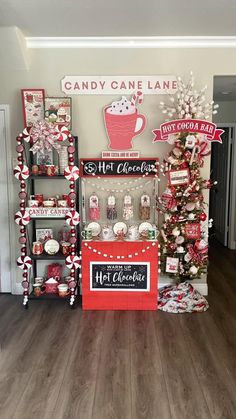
x,y
63,159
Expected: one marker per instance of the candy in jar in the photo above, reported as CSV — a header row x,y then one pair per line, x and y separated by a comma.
x,y
94,209
128,209
144,207
111,208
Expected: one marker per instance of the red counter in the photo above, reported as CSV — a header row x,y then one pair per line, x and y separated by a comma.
x,y
119,275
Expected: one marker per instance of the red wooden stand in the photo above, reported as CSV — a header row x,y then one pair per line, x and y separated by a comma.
x,y
111,262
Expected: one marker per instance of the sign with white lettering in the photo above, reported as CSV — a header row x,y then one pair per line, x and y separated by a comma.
x,y
116,276
119,167
170,128
110,85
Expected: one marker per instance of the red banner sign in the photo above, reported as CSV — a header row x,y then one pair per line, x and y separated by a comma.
x,y
188,125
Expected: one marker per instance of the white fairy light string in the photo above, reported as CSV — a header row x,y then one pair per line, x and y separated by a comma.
x,y
117,190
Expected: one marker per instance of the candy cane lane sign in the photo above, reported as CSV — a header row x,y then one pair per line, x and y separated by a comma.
x,y
109,85
188,125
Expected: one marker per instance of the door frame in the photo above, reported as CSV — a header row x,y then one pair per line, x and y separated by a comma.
x,y
232,190
6,110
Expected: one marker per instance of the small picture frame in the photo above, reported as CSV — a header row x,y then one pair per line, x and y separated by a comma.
x,y
58,111
44,157
193,231
179,177
43,234
33,105
172,265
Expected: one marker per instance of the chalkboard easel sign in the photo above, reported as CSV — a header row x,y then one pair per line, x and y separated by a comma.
x,y
120,276
118,167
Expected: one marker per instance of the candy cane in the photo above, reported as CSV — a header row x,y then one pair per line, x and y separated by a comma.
x,y
73,262
137,98
62,132
71,173
72,218
22,218
24,262
21,172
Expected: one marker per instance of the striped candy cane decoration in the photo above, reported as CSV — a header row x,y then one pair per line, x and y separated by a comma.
x,y
137,98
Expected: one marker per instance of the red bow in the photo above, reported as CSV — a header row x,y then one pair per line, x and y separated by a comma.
x,y
196,255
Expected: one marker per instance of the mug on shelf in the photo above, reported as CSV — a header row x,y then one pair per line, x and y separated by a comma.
x,y
133,233
152,233
38,289
87,234
33,203
48,203
107,233
37,248
62,203
38,280
63,290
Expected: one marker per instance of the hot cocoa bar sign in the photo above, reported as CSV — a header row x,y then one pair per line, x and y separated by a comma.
x,y
116,276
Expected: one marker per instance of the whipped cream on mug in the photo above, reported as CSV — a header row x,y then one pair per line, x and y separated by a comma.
x,y
121,107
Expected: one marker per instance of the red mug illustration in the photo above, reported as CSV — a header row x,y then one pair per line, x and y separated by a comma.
x,y
123,122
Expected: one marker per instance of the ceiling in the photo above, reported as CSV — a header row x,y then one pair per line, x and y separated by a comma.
x,y
126,18
47,18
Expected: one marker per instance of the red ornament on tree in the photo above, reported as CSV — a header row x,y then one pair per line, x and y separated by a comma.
x,y
202,216
174,219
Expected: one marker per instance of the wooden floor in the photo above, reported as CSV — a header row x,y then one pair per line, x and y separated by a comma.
x,y
62,363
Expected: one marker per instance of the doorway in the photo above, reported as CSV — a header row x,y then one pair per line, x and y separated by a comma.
x,y
5,252
223,163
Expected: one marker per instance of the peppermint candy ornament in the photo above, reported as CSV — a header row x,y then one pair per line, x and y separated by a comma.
x,y
22,218
63,132
21,172
24,262
26,134
73,262
71,173
72,218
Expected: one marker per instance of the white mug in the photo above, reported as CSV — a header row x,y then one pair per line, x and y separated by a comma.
x,y
133,233
107,233
32,203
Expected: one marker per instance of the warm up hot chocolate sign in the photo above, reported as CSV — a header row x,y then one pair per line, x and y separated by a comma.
x,y
105,276
110,85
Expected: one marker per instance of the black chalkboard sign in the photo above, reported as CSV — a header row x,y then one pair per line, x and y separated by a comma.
x,y
118,167
119,276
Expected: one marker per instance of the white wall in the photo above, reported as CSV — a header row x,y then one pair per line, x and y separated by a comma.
x,y
48,67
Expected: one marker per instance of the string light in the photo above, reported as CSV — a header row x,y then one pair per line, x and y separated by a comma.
x,y
94,185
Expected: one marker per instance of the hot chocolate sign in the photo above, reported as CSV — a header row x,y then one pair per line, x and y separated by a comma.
x,y
116,276
110,85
